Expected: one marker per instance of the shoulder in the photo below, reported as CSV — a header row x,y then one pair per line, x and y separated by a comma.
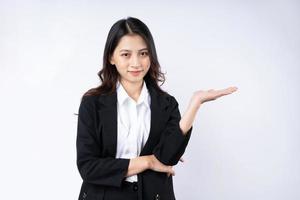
x,y
161,94
169,97
87,99
90,102
168,101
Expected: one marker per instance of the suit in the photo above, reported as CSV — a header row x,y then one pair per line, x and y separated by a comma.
x,y
96,144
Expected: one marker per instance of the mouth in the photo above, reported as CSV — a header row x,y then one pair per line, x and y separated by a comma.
x,y
135,73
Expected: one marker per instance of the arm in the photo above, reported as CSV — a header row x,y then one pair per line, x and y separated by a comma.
x,y
188,118
137,165
199,97
142,163
178,130
173,140
106,171
92,167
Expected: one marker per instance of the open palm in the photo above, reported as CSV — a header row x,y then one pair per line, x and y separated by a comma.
x,y
202,96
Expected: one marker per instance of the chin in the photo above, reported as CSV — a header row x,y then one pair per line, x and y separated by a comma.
x,y
136,80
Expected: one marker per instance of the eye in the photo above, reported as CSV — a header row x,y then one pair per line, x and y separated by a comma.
x,y
145,53
125,54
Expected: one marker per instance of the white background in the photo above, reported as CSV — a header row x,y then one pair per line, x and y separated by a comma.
x,y
243,146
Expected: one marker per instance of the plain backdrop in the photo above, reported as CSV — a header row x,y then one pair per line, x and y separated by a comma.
x,y
244,146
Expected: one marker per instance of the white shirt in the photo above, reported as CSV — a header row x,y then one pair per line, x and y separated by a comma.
x,y
133,123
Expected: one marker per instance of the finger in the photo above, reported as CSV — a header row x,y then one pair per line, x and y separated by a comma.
x,y
172,171
226,91
231,89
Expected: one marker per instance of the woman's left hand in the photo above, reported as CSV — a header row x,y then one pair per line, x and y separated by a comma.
x,y
201,96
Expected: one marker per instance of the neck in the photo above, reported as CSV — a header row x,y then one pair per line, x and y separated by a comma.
x,y
133,89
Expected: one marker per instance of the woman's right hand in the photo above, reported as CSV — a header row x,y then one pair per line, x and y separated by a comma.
x,y
156,165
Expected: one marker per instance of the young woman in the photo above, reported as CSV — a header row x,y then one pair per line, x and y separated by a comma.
x,y
130,132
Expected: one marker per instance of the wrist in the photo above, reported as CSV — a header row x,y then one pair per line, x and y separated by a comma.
x,y
196,102
148,161
194,105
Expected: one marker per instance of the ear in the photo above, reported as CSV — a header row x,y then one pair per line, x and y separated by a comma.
x,y
111,60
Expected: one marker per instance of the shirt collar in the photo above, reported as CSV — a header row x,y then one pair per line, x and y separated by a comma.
x,y
123,96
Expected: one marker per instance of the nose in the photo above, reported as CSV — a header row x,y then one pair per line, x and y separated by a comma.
x,y
135,61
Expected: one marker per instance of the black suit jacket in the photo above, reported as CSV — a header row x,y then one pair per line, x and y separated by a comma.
x,y
96,145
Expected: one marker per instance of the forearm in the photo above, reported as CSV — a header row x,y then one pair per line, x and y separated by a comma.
x,y
188,118
142,163
137,165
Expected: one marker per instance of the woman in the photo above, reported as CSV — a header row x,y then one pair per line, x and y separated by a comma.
x,y
130,132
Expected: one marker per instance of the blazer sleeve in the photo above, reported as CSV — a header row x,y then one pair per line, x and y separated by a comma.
x,y
173,142
92,167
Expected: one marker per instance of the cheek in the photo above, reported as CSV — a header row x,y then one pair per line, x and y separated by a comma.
x,y
122,69
147,68
146,62
148,65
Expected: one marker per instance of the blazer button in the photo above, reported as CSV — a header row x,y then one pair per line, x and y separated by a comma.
x,y
135,187
84,195
157,197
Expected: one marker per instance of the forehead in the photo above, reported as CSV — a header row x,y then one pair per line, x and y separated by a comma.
x,y
131,42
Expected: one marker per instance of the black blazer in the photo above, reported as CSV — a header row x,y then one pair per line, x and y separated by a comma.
x,y
96,145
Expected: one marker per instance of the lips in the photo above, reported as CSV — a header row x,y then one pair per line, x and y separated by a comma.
x,y
135,73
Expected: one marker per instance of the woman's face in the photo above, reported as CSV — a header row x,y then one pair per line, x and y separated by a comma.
x,y
131,58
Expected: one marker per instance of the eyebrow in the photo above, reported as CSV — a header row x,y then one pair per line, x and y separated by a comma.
x,y
130,50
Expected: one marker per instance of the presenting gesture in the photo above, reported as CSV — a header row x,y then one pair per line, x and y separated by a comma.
x,y
199,97
202,96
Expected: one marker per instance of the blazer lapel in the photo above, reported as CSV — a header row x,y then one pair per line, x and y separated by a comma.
x,y
109,123
108,115
158,105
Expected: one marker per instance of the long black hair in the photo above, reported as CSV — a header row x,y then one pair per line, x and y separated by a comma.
x,y
109,74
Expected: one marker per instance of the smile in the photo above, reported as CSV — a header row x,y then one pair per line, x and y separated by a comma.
x,y
135,73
